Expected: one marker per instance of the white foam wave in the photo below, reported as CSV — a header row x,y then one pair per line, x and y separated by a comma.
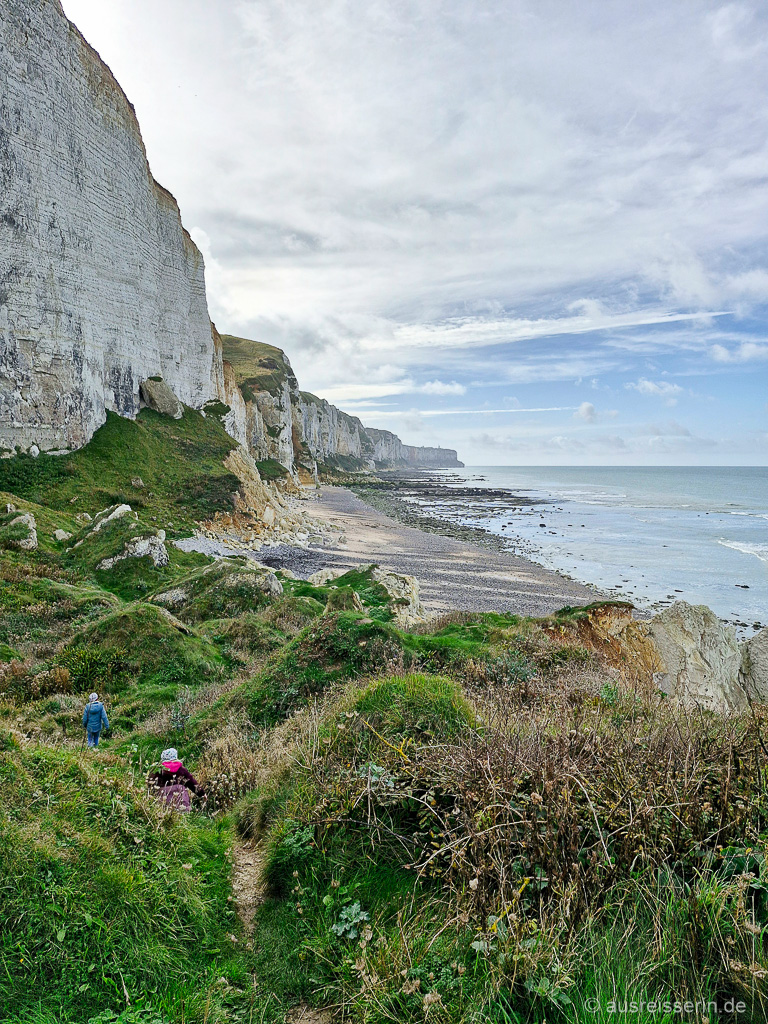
x,y
758,550
750,515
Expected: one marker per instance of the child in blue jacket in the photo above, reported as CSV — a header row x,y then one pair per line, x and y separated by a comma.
x,y
94,717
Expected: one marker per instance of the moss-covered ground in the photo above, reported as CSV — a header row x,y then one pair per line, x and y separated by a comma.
x,y
480,818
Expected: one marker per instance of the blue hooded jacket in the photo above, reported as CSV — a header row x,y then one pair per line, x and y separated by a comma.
x,y
94,717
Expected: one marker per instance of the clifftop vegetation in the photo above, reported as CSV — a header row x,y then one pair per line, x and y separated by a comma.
x,y
483,817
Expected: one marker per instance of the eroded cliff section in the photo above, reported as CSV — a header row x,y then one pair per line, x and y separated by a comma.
x,y
300,430
100,285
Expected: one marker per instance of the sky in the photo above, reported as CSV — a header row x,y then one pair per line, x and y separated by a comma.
x,y
535,231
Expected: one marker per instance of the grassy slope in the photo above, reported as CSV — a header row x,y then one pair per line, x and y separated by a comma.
x,y
476,815
108,895
258,367
179,462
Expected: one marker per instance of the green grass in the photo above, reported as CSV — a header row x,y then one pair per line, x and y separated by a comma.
x,y
334,648
258,367
271,469
136,657
103,894
179,461
416,705
374,596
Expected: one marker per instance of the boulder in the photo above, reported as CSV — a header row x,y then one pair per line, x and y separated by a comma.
x,y
176,597
139,547
754,667
323,576
699,657
28,543
404,591
84,517
107,515
61,535
156,394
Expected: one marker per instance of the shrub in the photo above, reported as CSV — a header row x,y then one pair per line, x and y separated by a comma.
x,y
335,647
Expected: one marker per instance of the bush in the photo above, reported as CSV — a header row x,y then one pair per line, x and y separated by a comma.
x,y
336,647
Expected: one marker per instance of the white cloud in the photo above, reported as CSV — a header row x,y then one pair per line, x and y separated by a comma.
x,y
411,196
586,412
657,389
438,387
746,352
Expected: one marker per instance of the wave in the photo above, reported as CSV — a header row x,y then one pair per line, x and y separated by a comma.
x,y
750,515
758,550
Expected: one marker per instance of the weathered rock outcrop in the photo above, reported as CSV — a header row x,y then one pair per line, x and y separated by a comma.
x,y
100,285
700,657
150,545
753,674
330,433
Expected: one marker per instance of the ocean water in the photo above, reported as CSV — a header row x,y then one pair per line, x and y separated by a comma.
x,y
652,535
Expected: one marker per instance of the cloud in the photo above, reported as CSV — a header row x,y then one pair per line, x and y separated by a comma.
x,y
746,352
586,412
423,198
437,387
657,389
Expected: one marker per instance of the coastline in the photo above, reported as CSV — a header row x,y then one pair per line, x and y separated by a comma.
x,y
453,572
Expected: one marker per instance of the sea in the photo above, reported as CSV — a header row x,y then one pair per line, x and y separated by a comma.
x,y
648,535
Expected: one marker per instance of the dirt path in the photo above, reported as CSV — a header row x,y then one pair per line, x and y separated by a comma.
x,y
248,882
248,889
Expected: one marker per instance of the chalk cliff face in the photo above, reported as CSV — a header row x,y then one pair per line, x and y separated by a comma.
x,y
329,432
388,449
100,286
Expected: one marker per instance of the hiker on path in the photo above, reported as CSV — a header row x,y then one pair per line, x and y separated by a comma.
x,y
173,782
94,719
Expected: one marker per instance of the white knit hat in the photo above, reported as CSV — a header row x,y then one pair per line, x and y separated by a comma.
x,y
93,697
171,754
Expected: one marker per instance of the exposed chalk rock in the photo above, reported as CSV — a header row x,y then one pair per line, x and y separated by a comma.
x,y
26,521
102,286
156,394
108,515
404,591
754,666
323,576
61,535
174,598
700,658
173,621
141,547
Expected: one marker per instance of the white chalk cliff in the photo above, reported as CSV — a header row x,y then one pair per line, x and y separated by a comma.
x,y
101,287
